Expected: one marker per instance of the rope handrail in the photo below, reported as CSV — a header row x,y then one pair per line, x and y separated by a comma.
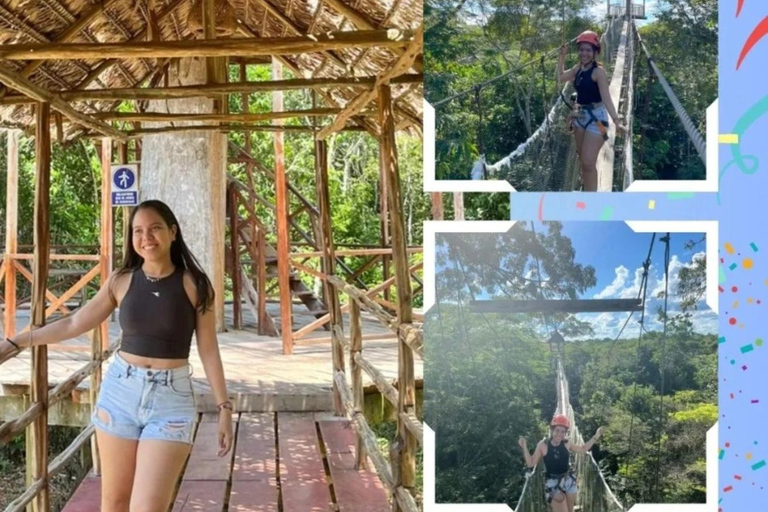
x,y
482,84
698,141
628,150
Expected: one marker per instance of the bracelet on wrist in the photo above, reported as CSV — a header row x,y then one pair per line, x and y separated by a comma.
x,y
224,405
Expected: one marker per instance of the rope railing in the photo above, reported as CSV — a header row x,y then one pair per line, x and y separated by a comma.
x,y
412,338
698,141
628,177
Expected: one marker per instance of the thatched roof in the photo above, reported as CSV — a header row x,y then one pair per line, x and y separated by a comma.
x,y
47,21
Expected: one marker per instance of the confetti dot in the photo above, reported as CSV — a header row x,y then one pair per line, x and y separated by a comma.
x,y
747,348
759,342
607,213
758,465
755,401
652,204
750,300
737,477
734,289
743,368
753,246
733,361
735,304
729,248
727,445
732,321
728,489
722,454
748,456
721,339
581,205
747,263
733,266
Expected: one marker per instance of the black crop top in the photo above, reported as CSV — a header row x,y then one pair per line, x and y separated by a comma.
x,y
556,459
156,317
587,89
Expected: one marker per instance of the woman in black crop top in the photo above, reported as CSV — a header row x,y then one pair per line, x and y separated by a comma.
x,y
560,485
146,410
589,118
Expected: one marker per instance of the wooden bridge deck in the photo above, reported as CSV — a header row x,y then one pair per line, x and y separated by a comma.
x,y
289,462
259,376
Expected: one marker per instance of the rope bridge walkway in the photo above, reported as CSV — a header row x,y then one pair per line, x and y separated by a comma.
x,y
594,493
547,160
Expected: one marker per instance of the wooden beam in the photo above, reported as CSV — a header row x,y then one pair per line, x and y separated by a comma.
x,y
390,38
234,241
11,231
556,306
361,22
18,82
358,394
37,432
237,118
203,90
405,445
70,32
401,65
136,134
281,219
328,262
106,222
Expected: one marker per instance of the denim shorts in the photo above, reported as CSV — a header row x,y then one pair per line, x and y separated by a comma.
x,y
581,119
143,403
567,486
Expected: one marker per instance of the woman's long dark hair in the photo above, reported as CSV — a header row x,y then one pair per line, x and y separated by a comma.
x,y
181,256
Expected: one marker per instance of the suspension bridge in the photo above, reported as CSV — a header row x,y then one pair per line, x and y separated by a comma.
x,y
595,494
547,160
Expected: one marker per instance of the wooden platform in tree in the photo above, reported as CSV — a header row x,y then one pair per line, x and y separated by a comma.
x,y
292,462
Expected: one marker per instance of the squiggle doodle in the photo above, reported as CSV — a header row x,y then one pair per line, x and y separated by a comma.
x,y
738,8
760,31
747,164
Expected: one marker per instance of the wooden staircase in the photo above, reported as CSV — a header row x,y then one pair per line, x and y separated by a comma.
x,y
298,289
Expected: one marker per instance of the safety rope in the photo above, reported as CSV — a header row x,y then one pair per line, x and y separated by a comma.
x,y
628,139
698,141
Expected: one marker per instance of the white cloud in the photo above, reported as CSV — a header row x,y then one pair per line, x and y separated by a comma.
x,y
608,324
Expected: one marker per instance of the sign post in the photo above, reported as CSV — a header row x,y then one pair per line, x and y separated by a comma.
x,y
125,185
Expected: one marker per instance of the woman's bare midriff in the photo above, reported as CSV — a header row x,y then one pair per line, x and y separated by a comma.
x,y
153,362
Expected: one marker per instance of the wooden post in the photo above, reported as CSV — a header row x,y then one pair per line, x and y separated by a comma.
x,y
234,245
126,210
629,10
437,206
93,393
406,442
384,225
37,432
11,231
458,206
105,235
262,281
281,217
328,262
216,73
356,347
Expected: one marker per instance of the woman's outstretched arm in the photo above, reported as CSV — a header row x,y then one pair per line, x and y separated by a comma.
x,y
530,461
584,448
88,317
564,76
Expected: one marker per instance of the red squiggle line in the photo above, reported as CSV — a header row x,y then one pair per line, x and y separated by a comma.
x,y
738,7
760,31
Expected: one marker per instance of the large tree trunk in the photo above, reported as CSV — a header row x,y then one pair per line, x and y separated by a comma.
x,y
186,170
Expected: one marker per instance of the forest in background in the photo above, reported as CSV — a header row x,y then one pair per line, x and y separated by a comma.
x,y
492,378
470,41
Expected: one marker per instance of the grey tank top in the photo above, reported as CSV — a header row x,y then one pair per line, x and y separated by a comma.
x,y
156,317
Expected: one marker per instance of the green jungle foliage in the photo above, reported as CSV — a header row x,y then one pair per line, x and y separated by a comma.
x,y
491,379
470,41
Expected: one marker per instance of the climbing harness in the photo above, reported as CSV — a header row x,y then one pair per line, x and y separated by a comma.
x,y
564,482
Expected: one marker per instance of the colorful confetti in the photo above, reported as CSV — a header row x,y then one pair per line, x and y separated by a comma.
x,y
758,465
753,246
747,263
581,205
729,248
747,348
652,204
733,266
607,213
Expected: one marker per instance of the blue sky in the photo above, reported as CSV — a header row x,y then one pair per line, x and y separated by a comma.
x,y
617,254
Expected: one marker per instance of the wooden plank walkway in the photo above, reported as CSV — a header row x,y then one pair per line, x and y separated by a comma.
x,y
289,462
605,159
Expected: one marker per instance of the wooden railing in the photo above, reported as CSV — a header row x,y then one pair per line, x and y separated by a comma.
x,y
411,337
13,428
620,9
